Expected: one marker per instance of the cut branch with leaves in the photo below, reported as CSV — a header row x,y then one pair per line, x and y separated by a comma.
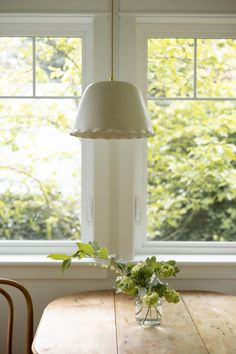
x,y
142,279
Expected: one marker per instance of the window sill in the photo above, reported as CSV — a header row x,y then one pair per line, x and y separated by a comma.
x,y
195,259
41,267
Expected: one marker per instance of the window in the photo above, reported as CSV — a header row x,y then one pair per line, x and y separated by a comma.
x,y
42,77
40,164
113,200
188,76
191,159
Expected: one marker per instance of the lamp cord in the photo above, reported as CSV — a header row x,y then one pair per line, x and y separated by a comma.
x,y
112,40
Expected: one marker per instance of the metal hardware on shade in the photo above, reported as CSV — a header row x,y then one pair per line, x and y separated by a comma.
x,y
112,109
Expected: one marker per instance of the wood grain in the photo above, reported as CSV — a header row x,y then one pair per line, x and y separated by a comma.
x,y
102,322
176,334
81,324
215,317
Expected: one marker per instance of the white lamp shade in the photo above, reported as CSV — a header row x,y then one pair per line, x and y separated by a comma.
x,y
112,110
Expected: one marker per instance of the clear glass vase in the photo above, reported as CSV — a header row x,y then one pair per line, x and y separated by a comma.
x,y
149,316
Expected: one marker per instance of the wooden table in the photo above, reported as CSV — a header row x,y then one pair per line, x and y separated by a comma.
x,y
102,322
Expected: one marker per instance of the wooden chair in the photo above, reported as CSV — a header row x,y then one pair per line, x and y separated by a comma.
x,y
29,326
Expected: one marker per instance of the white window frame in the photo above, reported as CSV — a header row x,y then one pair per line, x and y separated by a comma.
x,y
99,197
197,26
67,26
114,189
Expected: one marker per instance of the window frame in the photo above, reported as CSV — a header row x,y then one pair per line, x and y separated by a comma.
x,y
107,174
182,26
34,25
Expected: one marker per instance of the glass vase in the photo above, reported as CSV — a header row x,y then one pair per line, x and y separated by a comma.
x,y
149,316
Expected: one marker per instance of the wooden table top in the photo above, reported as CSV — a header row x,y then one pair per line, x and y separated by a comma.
x,y
103,322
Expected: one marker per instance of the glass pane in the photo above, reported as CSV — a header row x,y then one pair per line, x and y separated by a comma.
x,y
15,66
58,66
40,170
216,70
192,171
170,67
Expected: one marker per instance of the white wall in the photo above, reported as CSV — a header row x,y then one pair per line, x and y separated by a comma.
x,y
55,6
130,6
178,6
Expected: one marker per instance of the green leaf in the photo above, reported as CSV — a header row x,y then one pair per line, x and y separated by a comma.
x,y
58,256
102,253
95,245
86,248
66,264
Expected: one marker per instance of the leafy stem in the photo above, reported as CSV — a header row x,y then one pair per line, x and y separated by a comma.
x,y
137,279
145,318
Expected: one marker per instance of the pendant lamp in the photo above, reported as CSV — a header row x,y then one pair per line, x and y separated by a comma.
x,y
112,109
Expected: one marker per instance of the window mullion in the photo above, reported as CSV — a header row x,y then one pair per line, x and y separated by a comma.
x,y
195,69
34,66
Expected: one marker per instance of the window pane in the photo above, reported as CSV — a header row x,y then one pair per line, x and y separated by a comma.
x,y
216,70
170,67
58,66
191,171
15,66
39,170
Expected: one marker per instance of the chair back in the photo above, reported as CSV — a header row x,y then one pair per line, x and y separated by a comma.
x,y
29,325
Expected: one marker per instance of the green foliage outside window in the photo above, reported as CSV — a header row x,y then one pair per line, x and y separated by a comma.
x,y
40,162
192,158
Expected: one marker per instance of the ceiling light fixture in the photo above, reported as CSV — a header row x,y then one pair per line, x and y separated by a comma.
x,y
112,109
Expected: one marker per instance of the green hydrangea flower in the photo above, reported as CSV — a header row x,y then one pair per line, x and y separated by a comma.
x,y
126,285
150,299
138,268
172,296
166,270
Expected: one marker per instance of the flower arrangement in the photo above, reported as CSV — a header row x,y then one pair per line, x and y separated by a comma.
x,y
142,279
